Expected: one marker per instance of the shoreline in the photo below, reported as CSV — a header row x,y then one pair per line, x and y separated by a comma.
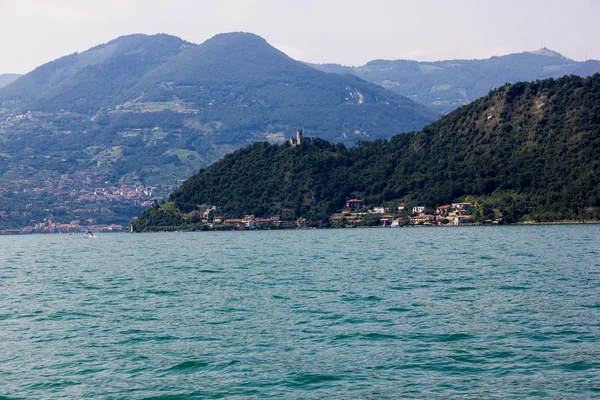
x,y
523,223
315,228
590,222
567,222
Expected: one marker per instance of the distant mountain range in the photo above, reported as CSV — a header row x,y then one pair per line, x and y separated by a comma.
x,y
527,151
447,85
5,79
235,86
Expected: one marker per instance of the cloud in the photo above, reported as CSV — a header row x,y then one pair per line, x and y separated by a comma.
x,y
69,11
413,54
292,51
349,32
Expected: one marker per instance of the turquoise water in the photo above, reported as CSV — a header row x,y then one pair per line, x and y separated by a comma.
x,y
478,312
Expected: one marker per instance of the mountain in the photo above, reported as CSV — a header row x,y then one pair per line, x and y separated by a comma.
x,y
5,79
203,100
86,82
151,110
236,83
447,85
239,77
525,151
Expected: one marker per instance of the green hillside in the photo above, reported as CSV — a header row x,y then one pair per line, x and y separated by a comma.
x,y
526,151
447,85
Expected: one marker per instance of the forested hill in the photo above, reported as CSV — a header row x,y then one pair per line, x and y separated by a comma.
x,y
527,150
447,85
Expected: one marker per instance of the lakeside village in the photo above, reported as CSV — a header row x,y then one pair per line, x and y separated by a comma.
x,y
352,215
81,206
78,207
36,197
355,214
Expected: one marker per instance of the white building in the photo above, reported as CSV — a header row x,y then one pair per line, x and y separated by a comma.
x,y
419,210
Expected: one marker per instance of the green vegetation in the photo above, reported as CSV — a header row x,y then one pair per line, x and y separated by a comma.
x,y
527,151
447,85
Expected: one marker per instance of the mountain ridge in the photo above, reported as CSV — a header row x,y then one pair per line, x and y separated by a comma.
x,y
227,65
448,84
6,79
102,71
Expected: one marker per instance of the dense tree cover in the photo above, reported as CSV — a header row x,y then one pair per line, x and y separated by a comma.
x,y
447,85
527,150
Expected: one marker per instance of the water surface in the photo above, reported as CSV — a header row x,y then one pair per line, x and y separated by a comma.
x,y
478,312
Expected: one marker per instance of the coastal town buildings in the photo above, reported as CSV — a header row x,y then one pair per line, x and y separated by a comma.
x,y
425,219
68,198
353,204
354,213
419,210
443,211
461,207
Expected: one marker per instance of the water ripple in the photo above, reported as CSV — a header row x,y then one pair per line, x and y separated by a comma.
x,y
494,313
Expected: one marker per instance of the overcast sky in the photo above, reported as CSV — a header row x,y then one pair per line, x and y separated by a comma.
x,y
349,32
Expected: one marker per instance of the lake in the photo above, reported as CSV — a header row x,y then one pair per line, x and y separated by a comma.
x,y
469,312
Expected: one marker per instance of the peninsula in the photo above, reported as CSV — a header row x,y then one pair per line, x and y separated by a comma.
x,y
526,152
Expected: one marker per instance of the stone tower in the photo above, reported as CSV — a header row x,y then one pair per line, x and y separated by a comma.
x,y
295,141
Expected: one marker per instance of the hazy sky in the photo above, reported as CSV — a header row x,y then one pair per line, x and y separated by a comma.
x,y
349,32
